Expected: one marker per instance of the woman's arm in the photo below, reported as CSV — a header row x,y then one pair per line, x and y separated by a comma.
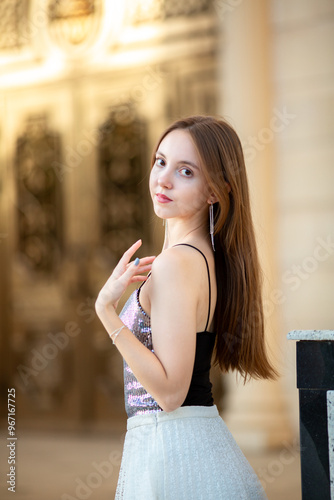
x,y
175,292
167,372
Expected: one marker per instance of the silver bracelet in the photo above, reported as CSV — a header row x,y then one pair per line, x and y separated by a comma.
x,y
115,334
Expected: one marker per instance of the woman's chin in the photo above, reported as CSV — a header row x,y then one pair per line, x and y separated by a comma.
x,y
160,212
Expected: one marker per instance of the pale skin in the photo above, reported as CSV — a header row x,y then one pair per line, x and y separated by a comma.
x,y
176,294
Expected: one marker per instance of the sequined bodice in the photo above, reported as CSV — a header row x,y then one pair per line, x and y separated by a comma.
x,y
137,400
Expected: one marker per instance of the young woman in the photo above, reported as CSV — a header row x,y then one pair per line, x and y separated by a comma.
x,y
201,297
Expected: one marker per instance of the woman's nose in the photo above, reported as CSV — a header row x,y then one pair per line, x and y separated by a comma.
x,y
164,180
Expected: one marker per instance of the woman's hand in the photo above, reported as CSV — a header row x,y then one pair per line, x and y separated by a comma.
x,y
123,274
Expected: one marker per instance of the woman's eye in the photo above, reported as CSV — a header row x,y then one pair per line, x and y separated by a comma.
x,y
186,172
160,162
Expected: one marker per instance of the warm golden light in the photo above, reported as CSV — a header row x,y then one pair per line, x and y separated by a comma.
x,y
73,21
52,67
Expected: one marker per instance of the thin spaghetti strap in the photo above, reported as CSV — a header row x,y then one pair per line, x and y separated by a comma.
x,y
149,274
207,268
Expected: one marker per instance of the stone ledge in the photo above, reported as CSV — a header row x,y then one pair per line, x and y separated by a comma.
x,y
311,335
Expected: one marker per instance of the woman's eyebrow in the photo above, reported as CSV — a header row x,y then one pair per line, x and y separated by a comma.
x,y
184,162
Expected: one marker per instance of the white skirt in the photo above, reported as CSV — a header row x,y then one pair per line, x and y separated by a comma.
x,y
187,454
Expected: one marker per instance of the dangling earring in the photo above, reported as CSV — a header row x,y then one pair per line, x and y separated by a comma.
x,y
212,225
164,223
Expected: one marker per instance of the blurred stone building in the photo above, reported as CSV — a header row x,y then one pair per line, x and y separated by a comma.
x,y
86,88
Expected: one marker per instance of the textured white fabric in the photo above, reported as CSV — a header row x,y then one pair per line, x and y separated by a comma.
x,y
187,454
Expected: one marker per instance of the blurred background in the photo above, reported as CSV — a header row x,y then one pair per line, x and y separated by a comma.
x,y
86,88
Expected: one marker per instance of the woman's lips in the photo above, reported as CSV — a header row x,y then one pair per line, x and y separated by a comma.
x,y
162,198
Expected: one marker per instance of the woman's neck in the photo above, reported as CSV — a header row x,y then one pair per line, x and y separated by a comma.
x,y
179,232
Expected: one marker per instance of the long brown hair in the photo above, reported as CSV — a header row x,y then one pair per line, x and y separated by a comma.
x,y
238,321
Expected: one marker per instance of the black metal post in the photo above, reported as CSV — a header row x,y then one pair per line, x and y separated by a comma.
x,y
315,376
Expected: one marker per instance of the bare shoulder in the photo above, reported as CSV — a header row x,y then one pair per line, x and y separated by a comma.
x,y
176,264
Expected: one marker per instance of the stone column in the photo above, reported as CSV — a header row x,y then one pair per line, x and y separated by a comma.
x,y
255,413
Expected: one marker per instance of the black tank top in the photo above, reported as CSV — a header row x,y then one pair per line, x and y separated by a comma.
x,y
137,400
200,390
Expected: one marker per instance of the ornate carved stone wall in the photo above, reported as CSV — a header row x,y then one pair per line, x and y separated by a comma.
x,y
79,123
39,197
13,14
123,160
140,11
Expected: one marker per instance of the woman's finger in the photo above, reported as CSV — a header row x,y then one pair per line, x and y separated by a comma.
x,y
135,268
131,251
147,260
124,261
144,269
139,269
143,262
138,278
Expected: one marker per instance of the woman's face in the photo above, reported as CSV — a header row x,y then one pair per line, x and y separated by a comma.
x,y
177,184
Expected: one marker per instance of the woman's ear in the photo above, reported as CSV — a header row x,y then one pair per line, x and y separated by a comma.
x,y
212,199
